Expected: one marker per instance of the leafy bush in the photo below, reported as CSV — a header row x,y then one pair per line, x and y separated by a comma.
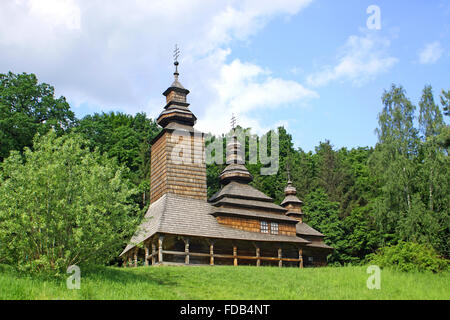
x,y
409,256
62,204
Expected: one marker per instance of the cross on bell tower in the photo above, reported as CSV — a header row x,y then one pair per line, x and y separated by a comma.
x,y
176,54
176,109
233,122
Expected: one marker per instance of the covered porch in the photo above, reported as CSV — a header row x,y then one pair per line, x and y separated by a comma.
x,y
169,249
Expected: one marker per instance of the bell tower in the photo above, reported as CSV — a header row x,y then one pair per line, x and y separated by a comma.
x,y
178,152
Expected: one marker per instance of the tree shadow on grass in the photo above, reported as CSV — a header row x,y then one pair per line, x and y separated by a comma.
x,y
130,276
101,273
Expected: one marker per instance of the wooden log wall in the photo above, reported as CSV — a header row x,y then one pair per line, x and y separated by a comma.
x,y
178,166
175,96
158,169
254,225
187,178
294,208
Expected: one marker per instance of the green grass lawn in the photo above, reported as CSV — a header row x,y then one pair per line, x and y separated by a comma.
x,y
227,283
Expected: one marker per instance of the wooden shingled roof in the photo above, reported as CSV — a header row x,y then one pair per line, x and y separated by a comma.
x,y
320,245
240,190
241,199
246,203
173,214
304,229
291,199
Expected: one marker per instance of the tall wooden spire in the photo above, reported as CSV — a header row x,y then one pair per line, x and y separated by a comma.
x,y
177,159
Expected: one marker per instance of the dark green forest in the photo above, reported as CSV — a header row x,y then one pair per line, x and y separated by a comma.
x,y
362,198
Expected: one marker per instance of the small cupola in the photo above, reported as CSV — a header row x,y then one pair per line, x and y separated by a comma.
x,y
235,170
292,203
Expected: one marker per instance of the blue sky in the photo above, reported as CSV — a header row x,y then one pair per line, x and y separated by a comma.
x,y
311,65
346,113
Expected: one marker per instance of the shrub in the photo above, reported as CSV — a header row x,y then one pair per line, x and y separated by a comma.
x,y
61,204
409,256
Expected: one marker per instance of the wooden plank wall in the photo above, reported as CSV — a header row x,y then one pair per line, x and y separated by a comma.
x,y
178,166
158,167
292,208
187,178
253,225
175,96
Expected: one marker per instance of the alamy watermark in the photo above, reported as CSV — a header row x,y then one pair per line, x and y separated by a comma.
x,y
74,280
374,20
187,148
374,280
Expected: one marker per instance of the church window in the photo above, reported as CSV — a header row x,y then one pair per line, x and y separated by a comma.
x,y
264,227
274,228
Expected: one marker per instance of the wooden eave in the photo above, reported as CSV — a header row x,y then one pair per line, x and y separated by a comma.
x,y
252,214
244,203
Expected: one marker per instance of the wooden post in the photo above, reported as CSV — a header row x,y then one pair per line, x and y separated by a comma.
x,y
280,255
211,253
124,262
129,260
186,250
160,248
135,257
235,263
258,255
146,253
300,256
153,253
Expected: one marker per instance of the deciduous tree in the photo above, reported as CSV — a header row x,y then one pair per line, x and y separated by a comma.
x,y
62,204
26,108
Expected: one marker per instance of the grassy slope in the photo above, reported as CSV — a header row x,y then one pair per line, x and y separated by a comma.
x,y
228,283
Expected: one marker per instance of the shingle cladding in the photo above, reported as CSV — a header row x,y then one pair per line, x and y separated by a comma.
x,y
246,203
241,190
320,245
304,229
241,195
173,214
251,213
291,199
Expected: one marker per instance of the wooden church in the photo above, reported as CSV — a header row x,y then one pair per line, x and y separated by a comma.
x,y
239,225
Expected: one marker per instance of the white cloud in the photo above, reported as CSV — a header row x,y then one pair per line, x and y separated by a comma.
x,y
59,13
244,89
37,23
431,53
239,20
360,60
117,55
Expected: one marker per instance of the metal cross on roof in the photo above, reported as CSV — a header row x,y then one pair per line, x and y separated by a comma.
x,y
233,121
288,169
176,53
